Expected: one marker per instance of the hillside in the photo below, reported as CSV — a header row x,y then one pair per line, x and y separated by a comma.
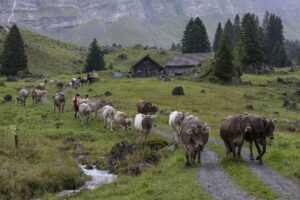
x,y
48,56
150,23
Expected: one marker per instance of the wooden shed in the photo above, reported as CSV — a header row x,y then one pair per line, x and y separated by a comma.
x,y
146,67
179,64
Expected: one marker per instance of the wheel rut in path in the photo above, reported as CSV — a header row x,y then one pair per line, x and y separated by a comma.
x,y
213,178
285,187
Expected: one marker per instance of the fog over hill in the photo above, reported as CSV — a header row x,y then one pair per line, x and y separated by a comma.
x,y
127,22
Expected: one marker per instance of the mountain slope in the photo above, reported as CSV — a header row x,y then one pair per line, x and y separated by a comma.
x,y
48,56
151,22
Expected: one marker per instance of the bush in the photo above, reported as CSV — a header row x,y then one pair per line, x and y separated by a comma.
x,y
2,84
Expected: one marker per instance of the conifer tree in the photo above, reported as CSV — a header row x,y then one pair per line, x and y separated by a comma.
x,y
250,52
187,40
195,39
236,30
298,57
224,67
218,36
13,57
94,60
173,47
200,38
228,28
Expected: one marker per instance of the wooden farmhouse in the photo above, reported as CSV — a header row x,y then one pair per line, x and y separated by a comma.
x,y
179,64
146,67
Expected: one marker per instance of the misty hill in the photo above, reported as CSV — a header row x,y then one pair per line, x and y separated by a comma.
x,y
127,22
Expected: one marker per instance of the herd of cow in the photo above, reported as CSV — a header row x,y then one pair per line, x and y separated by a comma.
x,y
190,130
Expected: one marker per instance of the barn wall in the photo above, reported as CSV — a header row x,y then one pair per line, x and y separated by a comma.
x,y
172,71
146,69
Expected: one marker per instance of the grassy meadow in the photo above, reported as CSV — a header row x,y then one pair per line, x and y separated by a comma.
x,y
35,168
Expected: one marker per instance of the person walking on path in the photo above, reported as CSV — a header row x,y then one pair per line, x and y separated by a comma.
x,y
76,104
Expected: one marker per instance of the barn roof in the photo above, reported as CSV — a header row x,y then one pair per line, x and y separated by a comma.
x,y
144,58
188,60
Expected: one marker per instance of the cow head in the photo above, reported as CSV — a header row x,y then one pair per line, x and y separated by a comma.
x,y
246,124
153,120
18,99
269,128
154,109
195,132
129,122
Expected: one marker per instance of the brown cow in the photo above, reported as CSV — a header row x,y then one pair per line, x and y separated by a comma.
x,y
59,101
146,108
262,128
194,135
59,86
233,132
40,86
37,95
121,120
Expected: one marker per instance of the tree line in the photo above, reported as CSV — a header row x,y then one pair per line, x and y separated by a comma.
x,y
240,44
13,58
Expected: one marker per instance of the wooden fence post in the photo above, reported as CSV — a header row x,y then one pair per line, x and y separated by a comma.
x,y
16,141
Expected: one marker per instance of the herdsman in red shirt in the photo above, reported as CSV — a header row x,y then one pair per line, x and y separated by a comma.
x,y
76,104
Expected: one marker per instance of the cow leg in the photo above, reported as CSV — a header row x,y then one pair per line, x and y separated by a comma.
x,y
63,106
233,148
227,150
251,152
117,130
239,152
259,157
111,125
199,157
124,131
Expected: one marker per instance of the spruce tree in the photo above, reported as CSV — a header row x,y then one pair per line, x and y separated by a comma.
x,y
94,60
236,30
298,57
224,67
187,40
250,52
173,47
218,36
228,28
13,57
200,38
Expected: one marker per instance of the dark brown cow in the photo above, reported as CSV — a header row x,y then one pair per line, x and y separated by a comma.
x,y
262,128
59,86
233,132
194,135
146,107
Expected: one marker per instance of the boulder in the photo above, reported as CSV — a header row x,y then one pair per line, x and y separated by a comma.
x,y
117,75
121,57
118,153
11,79
249,96
7,98
203,91
249,107
235,81
259,69
178,91
107,93
289,104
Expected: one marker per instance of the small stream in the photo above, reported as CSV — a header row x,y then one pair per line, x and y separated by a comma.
x,y
98,177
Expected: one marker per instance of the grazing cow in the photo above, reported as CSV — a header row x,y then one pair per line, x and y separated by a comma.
x,y
194,135
262,128
59,86
83,81
37,95
40,86
95,105
59,101
175,120
146,108
23,94
107,113
84,112
76,85
121,120
143,124
69,84
233,131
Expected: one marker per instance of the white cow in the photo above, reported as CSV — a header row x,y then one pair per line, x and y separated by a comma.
x,y
143,124
107,113
175,120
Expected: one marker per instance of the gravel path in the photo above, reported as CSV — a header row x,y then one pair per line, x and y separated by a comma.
x,y
286,188
213,178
